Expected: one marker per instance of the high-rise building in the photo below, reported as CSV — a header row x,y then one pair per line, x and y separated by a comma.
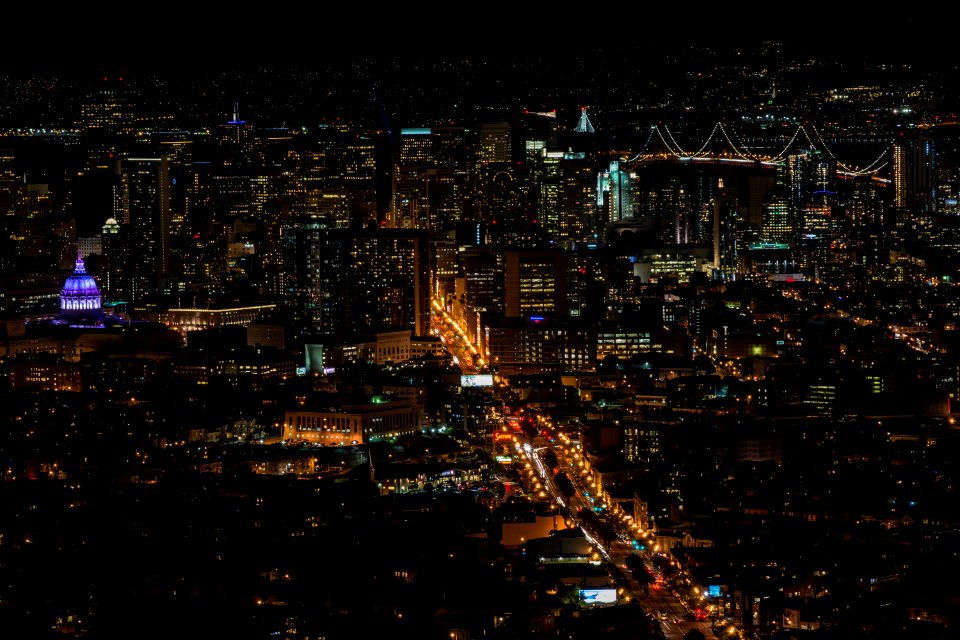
x,y
145,214
914,171
947,141
540,345
346,280
360,164
534,282
578,203
450,148
549,192
810,178
106,123
777,226
495,142
615,192
10,184
416,146
725,233
483,276
114,258
410,209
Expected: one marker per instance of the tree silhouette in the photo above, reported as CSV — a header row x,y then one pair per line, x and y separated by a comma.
x,y
564,485
640,572
550,459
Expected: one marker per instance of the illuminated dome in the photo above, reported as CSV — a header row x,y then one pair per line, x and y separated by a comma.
x,y
80,298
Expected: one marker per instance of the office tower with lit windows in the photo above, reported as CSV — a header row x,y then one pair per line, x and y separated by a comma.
x,y
479,285
946,227
534,282
809,172
537,135
10,184
725,213
914,194
359,179
428,178
236,131
810,179
483,279
668,207
540,344
615,192
539,131
106,123
145,216
114,258
578,202
443,198
947,144
340,281
868,207
451,149
360,163
548,196
495,143
414,157
777,224
585,289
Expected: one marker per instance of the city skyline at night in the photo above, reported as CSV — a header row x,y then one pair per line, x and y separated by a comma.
x,y
480,332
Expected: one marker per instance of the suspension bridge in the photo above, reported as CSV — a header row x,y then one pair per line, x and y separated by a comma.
x,y
721,146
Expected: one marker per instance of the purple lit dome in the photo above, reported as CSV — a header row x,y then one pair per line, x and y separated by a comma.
x,y
80,295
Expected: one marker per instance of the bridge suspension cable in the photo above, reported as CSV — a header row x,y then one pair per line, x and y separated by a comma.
x,y
645,144
677,152
673,147
699,152
860,172
726,135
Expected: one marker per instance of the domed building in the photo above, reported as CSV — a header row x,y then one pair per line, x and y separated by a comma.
x,y
80,302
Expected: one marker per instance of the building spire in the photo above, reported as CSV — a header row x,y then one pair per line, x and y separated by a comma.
x,y
80,268
584,125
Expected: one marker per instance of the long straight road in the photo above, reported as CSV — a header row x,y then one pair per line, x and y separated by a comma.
x,y
455,340
656,599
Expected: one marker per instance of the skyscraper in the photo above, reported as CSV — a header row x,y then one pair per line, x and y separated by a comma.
x,y
535,283
346,280
777,226
145,214
578,203
106,122
495,142
615,192
725,233
913,182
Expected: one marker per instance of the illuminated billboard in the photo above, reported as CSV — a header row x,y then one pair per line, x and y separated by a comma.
x,y
477,380
603,595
